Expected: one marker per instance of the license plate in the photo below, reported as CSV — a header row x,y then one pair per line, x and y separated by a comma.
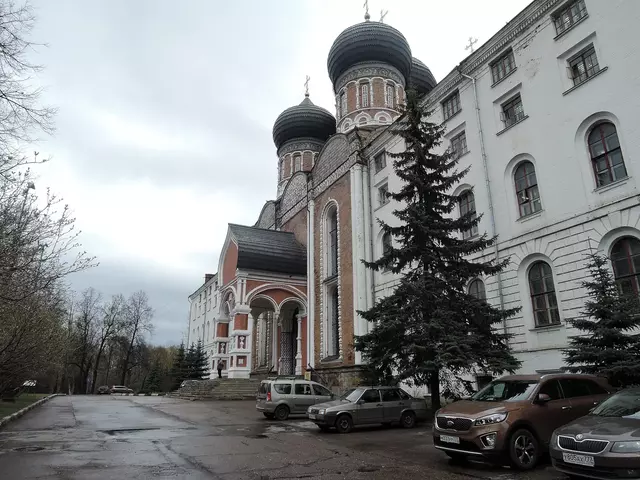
x,y
312,416
584,460
448,439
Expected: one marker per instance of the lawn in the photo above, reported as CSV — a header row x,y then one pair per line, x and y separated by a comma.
x,y
24,400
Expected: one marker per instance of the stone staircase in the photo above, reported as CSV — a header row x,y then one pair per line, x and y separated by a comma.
x,y
218,389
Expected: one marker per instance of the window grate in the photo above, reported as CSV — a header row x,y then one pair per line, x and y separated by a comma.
x,y
569,16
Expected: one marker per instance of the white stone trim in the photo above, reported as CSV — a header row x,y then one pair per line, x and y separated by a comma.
x,y
330,204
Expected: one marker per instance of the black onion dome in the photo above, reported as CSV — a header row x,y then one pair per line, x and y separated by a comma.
x,y
303,121
421,77
369,42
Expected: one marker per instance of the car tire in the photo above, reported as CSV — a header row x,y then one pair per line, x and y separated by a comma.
x,y
344,423
282,413
268,415
524,450
408,420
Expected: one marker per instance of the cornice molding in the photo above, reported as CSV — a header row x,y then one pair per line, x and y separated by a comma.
x,y
300,145
369,69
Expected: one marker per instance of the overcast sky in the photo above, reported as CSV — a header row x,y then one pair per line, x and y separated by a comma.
x,y
165,115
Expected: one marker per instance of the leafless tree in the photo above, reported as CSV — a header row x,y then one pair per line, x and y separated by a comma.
x,y
138,315
108,327
85,335
21,114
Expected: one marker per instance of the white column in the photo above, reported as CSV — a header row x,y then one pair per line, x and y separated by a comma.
x,y
311,293
370,92
299,344
358,252
368,239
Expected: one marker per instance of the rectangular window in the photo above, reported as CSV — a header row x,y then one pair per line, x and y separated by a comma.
x,y
512,111
364,101
383,190
569,16
451,106
334,344
584,65
503,67
459,145
380,161
297,163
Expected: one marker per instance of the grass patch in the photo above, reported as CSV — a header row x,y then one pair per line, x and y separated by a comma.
x,y
24,400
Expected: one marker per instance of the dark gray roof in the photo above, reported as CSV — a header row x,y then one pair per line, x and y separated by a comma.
x,y
269,250
305,120
421,77
369,42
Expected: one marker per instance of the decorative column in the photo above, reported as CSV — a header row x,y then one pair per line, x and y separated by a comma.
x,y
311,285
240,343
299,349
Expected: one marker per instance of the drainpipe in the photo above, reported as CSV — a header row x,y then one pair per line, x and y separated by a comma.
x,y
492,217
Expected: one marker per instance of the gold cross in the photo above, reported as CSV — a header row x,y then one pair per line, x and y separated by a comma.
x,y
383,13
306,86
366,10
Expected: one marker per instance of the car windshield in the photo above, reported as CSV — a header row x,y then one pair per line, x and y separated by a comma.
x,y
506,391
625,404
352,395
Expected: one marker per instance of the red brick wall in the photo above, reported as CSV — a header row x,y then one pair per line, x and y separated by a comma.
x,y
230,263
340,191
298,226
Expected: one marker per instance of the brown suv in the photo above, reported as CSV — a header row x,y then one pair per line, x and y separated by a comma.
x,y
513,417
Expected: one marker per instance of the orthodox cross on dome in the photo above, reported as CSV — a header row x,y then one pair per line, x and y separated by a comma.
x,y
306,86
366,10
472,42
383,13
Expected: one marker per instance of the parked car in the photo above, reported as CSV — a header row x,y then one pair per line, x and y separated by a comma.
x,y
512,418
369,406
120,389
281,396
103,390
604,444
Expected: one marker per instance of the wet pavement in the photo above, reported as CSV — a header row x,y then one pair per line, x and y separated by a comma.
x,y
116,437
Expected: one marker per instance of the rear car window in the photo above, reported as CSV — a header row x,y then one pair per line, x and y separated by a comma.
x,y
303,389
390,395
263,388
580,387
283,388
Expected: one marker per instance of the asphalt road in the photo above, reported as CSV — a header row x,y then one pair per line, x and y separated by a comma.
x,y
115,437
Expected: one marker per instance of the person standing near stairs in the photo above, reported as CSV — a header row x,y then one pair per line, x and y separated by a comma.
x,y
220,368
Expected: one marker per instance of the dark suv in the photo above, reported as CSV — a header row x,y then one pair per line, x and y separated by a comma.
x,y
513,417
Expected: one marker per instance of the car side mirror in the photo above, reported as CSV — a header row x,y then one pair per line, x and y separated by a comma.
x,y
360,402
543,398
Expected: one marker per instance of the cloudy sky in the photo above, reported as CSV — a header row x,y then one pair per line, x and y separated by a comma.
x,y
165,114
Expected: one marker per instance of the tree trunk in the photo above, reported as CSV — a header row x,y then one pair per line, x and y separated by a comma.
x,y
434,386
125,363
95,368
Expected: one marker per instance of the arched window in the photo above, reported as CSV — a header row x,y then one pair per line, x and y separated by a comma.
x,y
298,163
467,204
332,242
386,246
527,189
625,258
364,97
333,323
343,104
606,155
543,295
476,289
391,96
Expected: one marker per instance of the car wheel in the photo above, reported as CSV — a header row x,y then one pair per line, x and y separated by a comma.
x,y
408,420
523,450
268,415
344,424
282,412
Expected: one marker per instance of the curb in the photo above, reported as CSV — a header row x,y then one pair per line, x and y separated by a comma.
x,y
19,413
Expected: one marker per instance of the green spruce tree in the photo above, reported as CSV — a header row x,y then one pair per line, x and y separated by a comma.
x,y
609,343
200,363
152,385
178,369
430,326
189,363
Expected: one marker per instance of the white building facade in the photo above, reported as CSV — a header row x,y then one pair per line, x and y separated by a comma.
x,y
544,116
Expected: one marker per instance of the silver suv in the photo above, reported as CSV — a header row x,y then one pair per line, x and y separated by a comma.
x,y
279,397
369,405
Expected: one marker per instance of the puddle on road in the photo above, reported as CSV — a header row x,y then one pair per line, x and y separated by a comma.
x,y
30,448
